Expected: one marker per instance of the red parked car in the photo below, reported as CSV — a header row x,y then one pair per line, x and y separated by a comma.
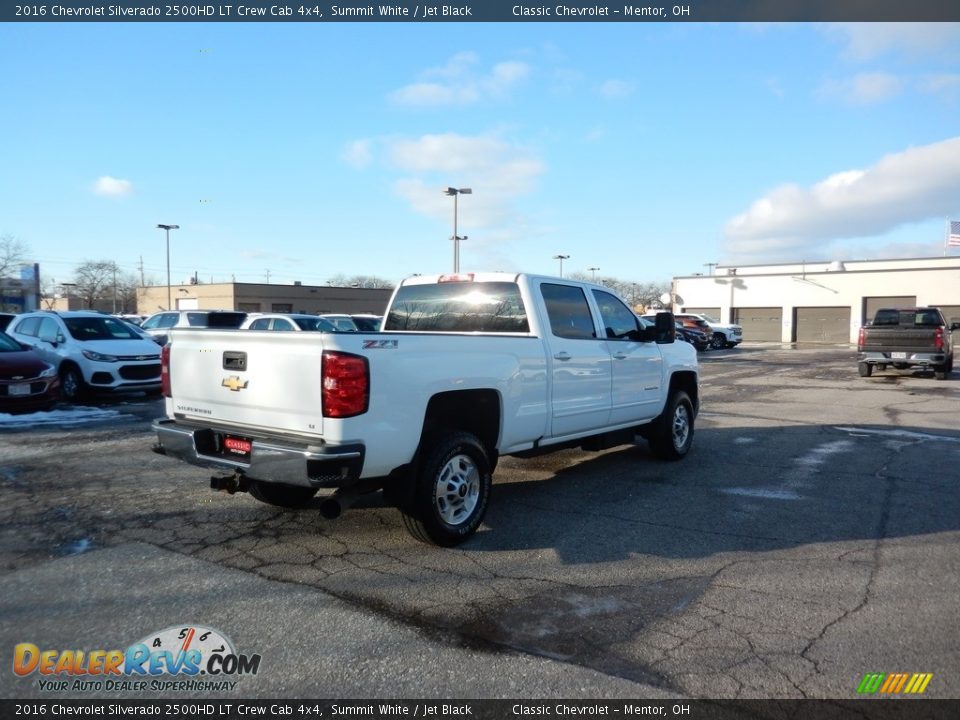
x,y
26,382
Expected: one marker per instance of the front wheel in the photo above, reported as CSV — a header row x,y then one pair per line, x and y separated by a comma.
x,y
671,434
72,385
865,369
718,342
288,496
451,489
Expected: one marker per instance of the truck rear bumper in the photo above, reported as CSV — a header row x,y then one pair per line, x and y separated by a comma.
x,y
907,357
270,459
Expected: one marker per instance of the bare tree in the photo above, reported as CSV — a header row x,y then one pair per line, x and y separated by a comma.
x,y
361,281
102,285
635,293
13,253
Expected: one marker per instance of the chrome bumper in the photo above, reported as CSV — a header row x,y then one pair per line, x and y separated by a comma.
x,y
271,460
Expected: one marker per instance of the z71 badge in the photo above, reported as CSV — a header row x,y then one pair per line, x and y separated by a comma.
x,y
380,344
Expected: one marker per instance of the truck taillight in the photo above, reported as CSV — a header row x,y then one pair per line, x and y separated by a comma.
x,y
861,337
938,339
346,384
165,370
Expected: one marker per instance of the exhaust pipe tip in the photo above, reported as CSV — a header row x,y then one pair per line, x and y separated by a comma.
x,y
331,508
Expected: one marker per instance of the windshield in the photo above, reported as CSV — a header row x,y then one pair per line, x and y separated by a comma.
x,y
8,344
315,323
99,328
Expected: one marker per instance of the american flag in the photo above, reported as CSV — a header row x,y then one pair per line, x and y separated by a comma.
x,y
954,237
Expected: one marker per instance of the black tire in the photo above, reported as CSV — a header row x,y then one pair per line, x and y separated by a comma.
x,y
718,341
671,434
865,369
72,386
288,496
451,489
949,365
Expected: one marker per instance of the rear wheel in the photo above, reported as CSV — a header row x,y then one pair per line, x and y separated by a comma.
x,y
865,369
451,489
719,341
289,496
671,434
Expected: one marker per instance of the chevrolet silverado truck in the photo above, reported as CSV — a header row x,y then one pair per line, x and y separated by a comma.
x,y
906,337
466,368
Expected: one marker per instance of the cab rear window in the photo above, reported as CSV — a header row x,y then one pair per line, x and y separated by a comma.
x,y
458,307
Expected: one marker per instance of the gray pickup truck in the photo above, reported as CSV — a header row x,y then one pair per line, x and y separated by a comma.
x,y
907,337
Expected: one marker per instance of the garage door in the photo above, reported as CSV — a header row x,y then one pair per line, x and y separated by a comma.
x,y
759,324
950,312
822,324
872,304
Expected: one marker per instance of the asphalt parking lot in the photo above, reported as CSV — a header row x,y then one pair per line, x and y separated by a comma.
x,y
811,537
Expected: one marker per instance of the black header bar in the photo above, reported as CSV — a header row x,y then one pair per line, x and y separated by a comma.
x,y
486,11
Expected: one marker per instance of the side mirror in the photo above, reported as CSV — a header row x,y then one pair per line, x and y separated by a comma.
x,y
954,326
52,338
666,328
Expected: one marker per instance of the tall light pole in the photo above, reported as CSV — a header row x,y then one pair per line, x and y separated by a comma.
x,y
168,228
561,258
593,274
456,192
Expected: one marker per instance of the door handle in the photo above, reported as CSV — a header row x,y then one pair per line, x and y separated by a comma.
x,y
562,355
620,355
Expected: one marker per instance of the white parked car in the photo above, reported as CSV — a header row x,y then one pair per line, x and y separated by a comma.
x,y
724,335
287,322
90,351
160,323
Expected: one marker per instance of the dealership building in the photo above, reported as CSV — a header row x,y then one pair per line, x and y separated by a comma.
x,y
820,302
263,297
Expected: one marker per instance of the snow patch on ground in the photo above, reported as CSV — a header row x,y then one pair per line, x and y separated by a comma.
x,y
69,416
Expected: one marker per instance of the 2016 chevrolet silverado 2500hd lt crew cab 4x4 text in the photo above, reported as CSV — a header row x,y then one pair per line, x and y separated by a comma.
x,y
466,368
906,337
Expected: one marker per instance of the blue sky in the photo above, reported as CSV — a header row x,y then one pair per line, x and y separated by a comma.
x,y
310,150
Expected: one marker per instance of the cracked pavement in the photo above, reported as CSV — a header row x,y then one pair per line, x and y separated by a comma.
x,y
811,537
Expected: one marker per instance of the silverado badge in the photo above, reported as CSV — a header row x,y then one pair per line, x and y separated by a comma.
x,y
234,383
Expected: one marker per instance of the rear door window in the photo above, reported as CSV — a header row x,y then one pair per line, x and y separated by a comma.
x,y
568,311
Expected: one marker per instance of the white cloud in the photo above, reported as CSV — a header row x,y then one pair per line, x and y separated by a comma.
x,y
358,154
910,186
498,172
107,186
946,86
865,41
616,89
864,88
460,82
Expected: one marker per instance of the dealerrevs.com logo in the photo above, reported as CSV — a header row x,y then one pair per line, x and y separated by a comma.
x,y
894,683
182,657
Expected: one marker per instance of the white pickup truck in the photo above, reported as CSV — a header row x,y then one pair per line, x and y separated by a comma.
x,y
466,368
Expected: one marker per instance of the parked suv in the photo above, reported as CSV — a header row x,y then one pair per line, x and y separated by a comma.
x,y
724,335
90,351
160,323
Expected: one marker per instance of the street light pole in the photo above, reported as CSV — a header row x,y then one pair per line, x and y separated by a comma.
x,y
455,192
593,274
168,228
561,258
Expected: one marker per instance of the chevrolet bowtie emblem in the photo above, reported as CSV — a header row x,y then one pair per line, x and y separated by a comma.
x,y
234,383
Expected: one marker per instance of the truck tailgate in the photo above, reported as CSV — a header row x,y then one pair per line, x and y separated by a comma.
x,y
880,339
257,380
